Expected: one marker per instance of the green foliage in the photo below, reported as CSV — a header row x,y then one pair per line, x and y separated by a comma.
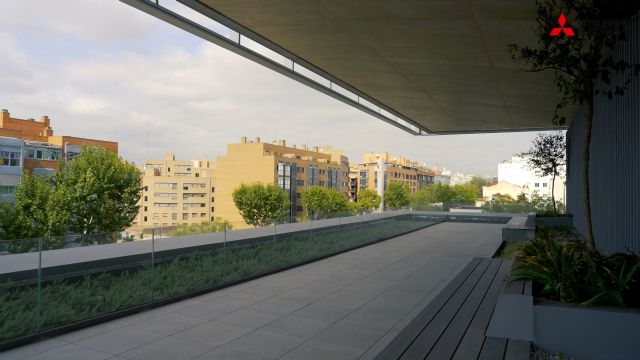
x,y
367,201
509,249
101,191
81,297
260,205
320,202
424,198
41,205
538,204
12,224
565,269
396,195
205,227
580,62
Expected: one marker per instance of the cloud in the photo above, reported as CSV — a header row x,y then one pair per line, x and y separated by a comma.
x,y
95,20
192,101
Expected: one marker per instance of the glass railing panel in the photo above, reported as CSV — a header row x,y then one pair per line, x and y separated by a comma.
x,y
20,300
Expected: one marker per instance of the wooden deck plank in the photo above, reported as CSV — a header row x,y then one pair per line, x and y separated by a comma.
x,y
398,346
517,350
451,337
493,348
472,341
431,333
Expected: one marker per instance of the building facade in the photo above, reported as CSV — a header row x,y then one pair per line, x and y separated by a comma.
x,y
378,169
517,172
175,192
291,168
30,145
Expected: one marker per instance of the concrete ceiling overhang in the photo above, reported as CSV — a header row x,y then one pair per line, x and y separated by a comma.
x,y
443,64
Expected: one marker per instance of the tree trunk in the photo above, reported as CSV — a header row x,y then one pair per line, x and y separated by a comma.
x,y
553,193
588,120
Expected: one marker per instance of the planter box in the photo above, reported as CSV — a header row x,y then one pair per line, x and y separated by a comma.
x,y
587,333
554,221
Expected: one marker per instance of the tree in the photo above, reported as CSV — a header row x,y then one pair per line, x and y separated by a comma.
x,y
12,224
396,195
366,201
480,182
583,63
261,205
547,157
40,204
101,190
320,202
465,193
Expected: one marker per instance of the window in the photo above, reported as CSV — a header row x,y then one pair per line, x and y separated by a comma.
x,y
169,205
7,190
9,156
145,219
537,185
544,184
174,216
164,215
171,196
300,182
203,215
145,208
162,185
185,216
146,198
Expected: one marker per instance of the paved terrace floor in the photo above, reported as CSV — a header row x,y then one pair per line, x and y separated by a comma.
x,y
349,306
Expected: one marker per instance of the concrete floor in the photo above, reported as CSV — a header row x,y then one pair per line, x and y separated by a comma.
x,y
345,307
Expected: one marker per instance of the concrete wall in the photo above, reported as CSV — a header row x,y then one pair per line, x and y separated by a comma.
x,y
615,162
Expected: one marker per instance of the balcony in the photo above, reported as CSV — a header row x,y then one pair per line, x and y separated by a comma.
x,y
334,288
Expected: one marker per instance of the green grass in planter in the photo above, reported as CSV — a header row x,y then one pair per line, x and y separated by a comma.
x,y
69,300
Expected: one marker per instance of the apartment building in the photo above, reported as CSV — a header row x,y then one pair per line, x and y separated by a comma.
x,y
175,192
291,168
377,169
30,145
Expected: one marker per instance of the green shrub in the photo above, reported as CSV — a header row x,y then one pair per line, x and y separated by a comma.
x,y
564,269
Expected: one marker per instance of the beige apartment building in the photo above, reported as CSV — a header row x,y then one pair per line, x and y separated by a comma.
x,y
377,169
175,192
291,168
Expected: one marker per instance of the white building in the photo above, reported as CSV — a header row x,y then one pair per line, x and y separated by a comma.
x,y
517,172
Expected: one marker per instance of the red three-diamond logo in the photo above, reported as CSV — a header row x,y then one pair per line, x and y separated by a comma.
x,y
562,29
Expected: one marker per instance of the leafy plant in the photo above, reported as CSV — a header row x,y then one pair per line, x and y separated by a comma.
x,y
319,202
567,270
396,195
217,225
260,204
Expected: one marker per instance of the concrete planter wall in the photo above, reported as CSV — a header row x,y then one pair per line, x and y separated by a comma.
x,y
587,333
554,221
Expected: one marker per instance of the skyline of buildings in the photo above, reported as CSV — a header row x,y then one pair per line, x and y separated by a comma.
x,y
184,191
291,168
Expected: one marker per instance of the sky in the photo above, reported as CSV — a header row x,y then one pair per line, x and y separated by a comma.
x,y
102,69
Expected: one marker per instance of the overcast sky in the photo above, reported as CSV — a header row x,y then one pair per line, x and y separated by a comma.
x,y
101,69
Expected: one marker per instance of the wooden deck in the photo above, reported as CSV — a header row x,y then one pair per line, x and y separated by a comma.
x,y
453,325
